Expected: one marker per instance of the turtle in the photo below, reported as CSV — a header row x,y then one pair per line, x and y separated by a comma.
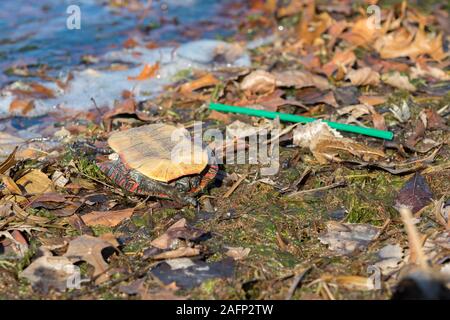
x,y
159,160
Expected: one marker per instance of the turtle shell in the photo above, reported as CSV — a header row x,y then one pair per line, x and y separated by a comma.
x,y
159,151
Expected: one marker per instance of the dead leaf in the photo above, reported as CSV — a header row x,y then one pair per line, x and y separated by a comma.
x,y
177,253
372,100
11,186
341,60
434,120
220,116
179,230
48,272
361,33
351,282
420,126
36,182
415,194
107,218
258,82
326,144
378,121
89,249
300,79
207,80
402,43
149,71
21,107
392,258
237,253
35,90
311,96
345,238
13,244
398,80
424,70
312,26
8,162
363,77
59,179
130,43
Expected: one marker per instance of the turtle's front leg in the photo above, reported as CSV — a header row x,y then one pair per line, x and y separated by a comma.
x,y
153,187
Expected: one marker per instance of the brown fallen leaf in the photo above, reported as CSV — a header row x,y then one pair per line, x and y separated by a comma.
x,y
149,71
351,282
130,43
326,144
107,218
269,102
398,80
177,253
220,116
36,182
419,128
361,33
8,162
312,96
49,272
207,80
179,230
11,186
21,107
258,82
372,100
434,120
363,77
424,70
300,79
340,60
237,253
89,249
414,195
378,121
13,243
403,43
312,25
35,90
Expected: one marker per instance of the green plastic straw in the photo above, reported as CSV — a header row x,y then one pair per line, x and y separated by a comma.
x,y
387,135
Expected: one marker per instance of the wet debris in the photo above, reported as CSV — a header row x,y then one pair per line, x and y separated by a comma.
x,y
191,276
346,238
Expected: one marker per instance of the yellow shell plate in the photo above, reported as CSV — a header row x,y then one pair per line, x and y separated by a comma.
x,y
159,151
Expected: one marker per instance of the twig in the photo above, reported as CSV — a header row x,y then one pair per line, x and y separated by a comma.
x,y
331,186
295,283
414,238
234,186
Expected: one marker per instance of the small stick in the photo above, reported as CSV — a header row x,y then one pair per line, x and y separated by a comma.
x,y
414,238
297,279
331,186
234,186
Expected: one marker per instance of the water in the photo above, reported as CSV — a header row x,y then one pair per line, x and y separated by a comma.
x,y
34,33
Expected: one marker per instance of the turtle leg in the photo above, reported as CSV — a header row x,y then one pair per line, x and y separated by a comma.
x,y
149,186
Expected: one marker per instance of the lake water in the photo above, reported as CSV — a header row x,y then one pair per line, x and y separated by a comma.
x,y
34,33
